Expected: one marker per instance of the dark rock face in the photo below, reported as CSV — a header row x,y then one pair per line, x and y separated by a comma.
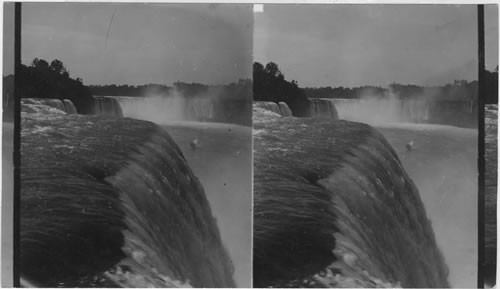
x,y
108,106
333,207
112,202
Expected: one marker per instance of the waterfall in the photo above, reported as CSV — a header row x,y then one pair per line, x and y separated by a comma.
x,y
323,108
412,110
48,105
69,107
280,108
162,109
284,109
268,105
108,106
109,202
333,207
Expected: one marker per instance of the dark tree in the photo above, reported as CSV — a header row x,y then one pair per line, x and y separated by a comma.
x,y
41,80
272,69
58,67
269,84
40,64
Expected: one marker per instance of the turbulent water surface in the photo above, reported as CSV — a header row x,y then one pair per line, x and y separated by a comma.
x,y
108,202
491,157
221,159
443,165
334,207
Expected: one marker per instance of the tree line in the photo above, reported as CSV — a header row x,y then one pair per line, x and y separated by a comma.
x,y
458,90
43,80
237,90
269,84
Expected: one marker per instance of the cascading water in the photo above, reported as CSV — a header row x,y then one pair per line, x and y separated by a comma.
x,y
108,106
69,106
319,108
284,109
45,104
383,110
394,110
218,151
164,109
333,207
323,108
109,202
270,106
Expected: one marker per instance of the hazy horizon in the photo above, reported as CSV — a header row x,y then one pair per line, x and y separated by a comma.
x,y
135,44
373,44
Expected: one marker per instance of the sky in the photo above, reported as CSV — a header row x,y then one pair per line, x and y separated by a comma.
x,y
319,45
141,43
355,45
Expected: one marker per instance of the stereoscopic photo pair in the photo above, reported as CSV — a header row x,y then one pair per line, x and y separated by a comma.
x,y
240,145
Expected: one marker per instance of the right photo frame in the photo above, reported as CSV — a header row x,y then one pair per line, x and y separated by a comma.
x,y
374,153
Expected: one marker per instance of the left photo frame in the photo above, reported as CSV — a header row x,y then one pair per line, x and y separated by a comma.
x,y
135,145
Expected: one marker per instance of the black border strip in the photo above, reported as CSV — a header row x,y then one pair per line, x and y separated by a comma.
x,y
17,142
480,153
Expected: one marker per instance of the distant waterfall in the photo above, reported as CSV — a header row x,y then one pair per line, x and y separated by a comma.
x,y
46,104
323,108
284,109
394,110
318,108
382,110
280,108
162,109
69,107
108,106
268,105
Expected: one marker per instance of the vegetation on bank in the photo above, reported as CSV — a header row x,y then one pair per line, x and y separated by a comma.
x,y
236,90
458,90
269,84
43,80
129,90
